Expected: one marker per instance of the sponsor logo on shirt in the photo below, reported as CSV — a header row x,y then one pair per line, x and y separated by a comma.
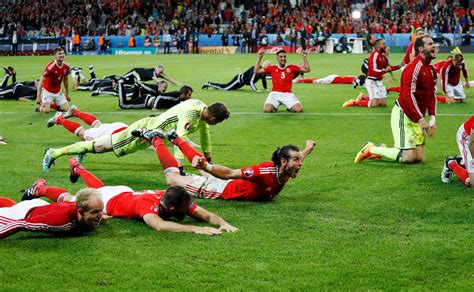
x,y
248,172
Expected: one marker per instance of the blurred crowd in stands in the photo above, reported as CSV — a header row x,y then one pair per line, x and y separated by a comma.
x,y
184,20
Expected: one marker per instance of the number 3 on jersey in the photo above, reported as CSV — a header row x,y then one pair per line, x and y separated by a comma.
x,y
283,75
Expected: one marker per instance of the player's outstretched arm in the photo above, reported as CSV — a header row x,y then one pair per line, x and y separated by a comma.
x,y
169,79
206,216
310,144
40,88
155,222
306,68
219,171
257,68
66,87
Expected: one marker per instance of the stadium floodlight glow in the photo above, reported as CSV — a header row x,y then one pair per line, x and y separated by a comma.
x,y
356,14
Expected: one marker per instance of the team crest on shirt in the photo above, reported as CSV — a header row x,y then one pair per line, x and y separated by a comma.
x,y
187,126
154,208
288,70
248,172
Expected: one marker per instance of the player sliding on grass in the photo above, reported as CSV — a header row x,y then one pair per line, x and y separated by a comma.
x,y
40,216
248,77
155,207
417,96
282,80
462,166
187,117
257,183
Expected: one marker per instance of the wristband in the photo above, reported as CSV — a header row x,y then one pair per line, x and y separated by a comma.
x,y
208,167
432,121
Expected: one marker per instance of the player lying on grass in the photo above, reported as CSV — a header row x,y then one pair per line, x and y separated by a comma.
x,y
417,97
157,208
22,91
40,216
257,183
248,77
161,99
97,129
187,117
330,79
462,166
147,74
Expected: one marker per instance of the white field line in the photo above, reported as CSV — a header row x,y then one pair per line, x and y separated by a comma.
x,y
142,113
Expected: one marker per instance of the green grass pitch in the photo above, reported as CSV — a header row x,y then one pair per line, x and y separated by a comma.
x,y
377,225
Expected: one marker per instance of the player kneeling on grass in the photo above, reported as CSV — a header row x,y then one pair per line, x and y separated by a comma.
x,y
36,215
282,82
450,75
464,172
417,96
257,183
156,208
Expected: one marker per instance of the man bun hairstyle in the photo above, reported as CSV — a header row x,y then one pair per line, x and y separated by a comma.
x,y
283,152
219,111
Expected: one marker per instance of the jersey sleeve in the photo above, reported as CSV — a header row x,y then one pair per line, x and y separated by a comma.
x,y
295,69
146,206
268,69
46,71
187,119
46,222
192,208
205,137
251,173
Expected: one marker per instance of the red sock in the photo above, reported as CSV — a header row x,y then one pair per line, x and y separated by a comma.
x,y
441,99
54,106
91,180
69,125
86,117
362,102
365,97
6,202
343,80
52,193
306,80
187,150
395,89
167,160
460,171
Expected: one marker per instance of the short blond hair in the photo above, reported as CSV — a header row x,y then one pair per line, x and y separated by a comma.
x,y
84,196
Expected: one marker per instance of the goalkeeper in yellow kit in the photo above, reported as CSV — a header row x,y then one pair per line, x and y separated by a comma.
x,y
185,118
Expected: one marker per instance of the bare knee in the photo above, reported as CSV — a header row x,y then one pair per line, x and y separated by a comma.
x,y
268,108
297,108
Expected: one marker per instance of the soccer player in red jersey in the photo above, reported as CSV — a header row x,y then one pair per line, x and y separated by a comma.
x,y
282,80
40,216
330,79
462,166
49,86
157,208
378,66
417,96
410,53
450,75
257,183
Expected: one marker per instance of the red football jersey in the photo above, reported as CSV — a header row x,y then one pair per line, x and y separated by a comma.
x,y
135,205
55,217
258,183
410,49
439,65
469,125
54,75
282,78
